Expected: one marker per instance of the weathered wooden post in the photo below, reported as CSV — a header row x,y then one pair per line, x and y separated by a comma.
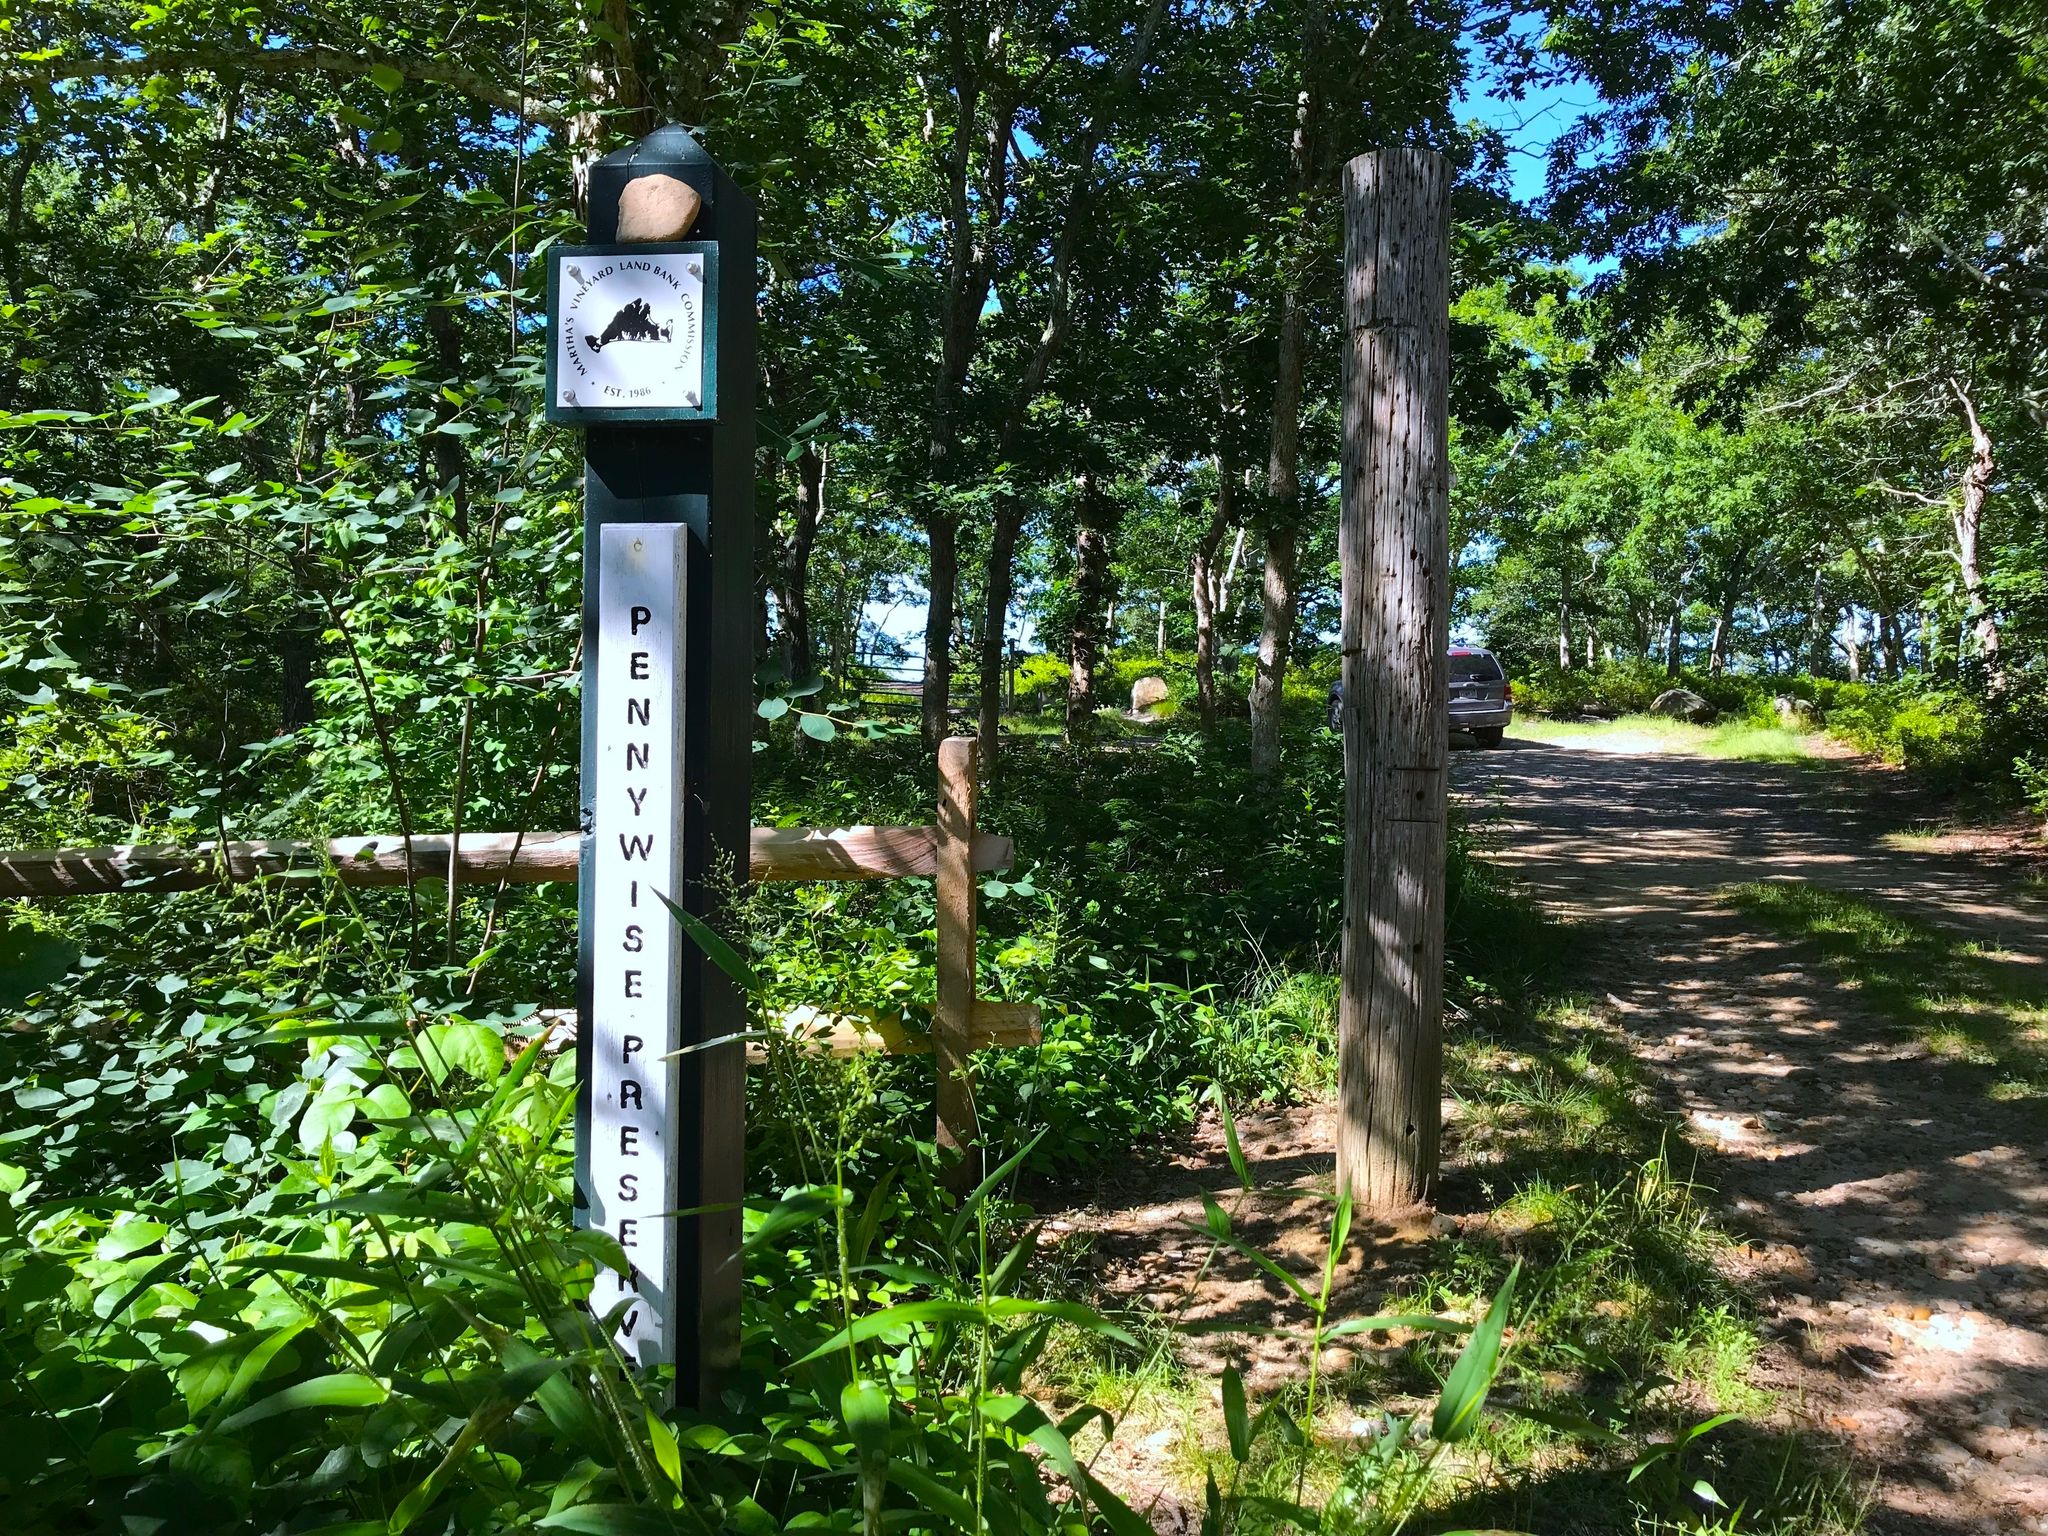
x,y
957,898
651,346
1394,550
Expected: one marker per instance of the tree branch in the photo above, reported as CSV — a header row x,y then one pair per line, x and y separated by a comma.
x,y
314,59
1920,496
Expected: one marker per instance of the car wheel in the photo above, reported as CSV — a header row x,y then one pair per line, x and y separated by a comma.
x,y
1490,735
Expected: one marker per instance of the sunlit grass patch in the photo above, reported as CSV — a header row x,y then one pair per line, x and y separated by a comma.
x,y
1742,739
1967,1001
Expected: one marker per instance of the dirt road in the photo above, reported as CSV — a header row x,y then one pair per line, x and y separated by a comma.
x,y
1898,1199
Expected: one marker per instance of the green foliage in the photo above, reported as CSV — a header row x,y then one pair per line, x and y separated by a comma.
x,y
1944,735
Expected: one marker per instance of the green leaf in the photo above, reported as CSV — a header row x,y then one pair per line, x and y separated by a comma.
x,y
818,727
1230,1141
1422,1322
864,1406
131,1236
890,1319
32,962
257,1361
721,954
792,1213
386,1101
322,1267
668,1455
1078,1313
327,1116
1465,1389
1217,1218
1009,1165
1235,1420
935,1495
611,1520
386,79
345,1389
1340,1229
476,1049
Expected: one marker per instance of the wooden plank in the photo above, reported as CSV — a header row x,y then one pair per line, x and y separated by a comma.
x,y
1394,556
952,1014
1005,1026
996,1026
485,858
863,853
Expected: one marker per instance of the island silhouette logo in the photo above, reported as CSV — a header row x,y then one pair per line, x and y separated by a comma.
x,y
629,332
634,322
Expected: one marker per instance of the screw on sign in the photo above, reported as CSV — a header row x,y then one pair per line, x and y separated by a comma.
x,y
656,362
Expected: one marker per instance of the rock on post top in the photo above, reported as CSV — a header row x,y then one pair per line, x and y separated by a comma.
x,y
656,207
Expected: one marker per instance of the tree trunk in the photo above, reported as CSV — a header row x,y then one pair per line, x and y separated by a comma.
x,y
942,535
1159,648
1230,571
1277,593
1891,640
21,163
1817,648
1852,638
1564,632
1205,589
1724,625
970,265
1674,643
295,656
1283,512
995,624
1394,538
796,562
1091,593
1968,523
1276,642
613,89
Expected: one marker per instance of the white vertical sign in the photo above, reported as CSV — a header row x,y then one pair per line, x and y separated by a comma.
x,y
635,950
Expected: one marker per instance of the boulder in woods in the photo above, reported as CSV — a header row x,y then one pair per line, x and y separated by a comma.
x,y
1682,704
1148,693
1795,713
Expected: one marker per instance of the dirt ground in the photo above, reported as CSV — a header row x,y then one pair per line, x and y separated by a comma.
x,y
1901,1214
1897,1214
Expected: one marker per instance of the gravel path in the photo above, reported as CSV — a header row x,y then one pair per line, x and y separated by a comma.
x,y
1900,1214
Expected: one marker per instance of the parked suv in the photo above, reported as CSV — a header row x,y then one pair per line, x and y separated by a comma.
x,y
1482,699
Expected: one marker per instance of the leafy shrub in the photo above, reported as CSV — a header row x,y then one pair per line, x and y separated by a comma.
x,y
1942,734
1629,686
2030,772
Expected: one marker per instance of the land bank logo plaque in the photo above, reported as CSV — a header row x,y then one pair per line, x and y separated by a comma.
x,y
631,340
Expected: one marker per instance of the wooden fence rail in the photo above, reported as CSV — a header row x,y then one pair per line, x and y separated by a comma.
x,y
951,852
483,858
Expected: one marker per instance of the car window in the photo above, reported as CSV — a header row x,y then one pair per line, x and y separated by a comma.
x,y
1474,667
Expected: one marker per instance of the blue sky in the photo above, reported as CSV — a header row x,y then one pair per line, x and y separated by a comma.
x,y
1530,125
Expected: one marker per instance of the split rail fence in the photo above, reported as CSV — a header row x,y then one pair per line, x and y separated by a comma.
x,y
951,852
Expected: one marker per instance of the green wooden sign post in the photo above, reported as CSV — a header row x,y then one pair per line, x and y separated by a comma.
x,y
651,351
